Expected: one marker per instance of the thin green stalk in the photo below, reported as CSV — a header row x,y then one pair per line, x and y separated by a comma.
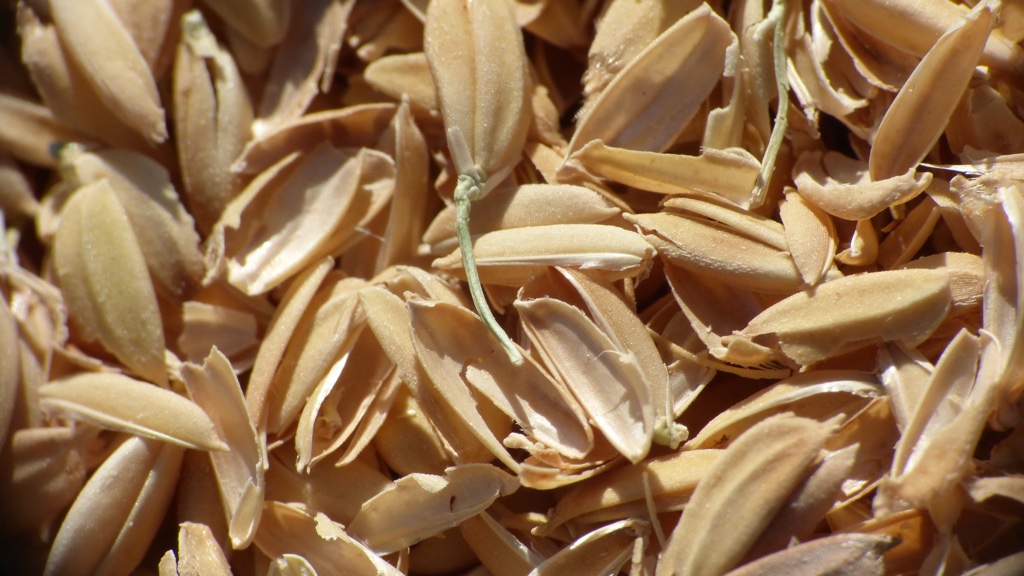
x,y
467,190
776,15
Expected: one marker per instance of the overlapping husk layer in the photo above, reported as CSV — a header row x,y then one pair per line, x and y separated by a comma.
x,y
763,262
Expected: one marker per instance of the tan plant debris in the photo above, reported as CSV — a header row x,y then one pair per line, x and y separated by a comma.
x,y
517,287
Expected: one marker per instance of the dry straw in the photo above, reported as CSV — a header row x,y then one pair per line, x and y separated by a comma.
x,y
511,287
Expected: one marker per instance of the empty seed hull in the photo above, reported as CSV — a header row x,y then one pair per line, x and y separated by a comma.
x,y
511,287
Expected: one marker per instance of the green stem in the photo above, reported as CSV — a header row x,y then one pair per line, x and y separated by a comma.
x,y
777,15
465,191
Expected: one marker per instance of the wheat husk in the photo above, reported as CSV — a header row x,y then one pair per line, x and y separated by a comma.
x,y
53,468
164,229
240,475
478,63
16,196
406,219
692,51
338,492
107,288
748,292
198,553
781,447
304,64
404,76
30,128
359,125
272,349
433,503
65,89
118,511
497,548
314,541
814,334
605,550
212,117
612,389
840,554
98,42
511,257
121,403
524,206
10,374
729,173
261,21
355,387
469,434
205,326
449,340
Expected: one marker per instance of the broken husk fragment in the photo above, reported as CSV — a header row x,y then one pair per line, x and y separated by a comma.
x,y
516,287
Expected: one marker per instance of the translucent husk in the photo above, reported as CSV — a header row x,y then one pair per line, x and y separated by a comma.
x,y
741,291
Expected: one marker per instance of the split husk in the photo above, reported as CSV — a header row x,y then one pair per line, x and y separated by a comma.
x,y
746,292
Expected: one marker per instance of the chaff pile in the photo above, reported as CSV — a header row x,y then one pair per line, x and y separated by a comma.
x,y
735,320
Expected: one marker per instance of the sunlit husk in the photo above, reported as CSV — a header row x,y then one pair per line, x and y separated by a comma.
x,y
511,257
608,383
198,553
678,70
317,345
111,523
212,114
721,252
780,448
98,42
729,173
478,62
286,317
842,187
410,201
121,403
305,212
305,61
966,370
421,505
928,97
65,88
497,548
164,229
240,476
603,551
524,206
623,30
448,338
841,554
755,275
349,403
809,327
621,494
102,271
820,395
469,434
810,235
233,332
352,126
287,529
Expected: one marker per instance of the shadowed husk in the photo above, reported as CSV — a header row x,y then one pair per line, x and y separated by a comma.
x,y
751,287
